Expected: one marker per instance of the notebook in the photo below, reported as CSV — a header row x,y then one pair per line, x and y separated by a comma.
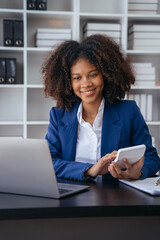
x,y
146,185
26,168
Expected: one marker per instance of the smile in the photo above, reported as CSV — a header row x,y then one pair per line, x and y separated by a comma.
x,y
88,92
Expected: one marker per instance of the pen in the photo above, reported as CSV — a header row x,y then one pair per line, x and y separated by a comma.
x,y
157,182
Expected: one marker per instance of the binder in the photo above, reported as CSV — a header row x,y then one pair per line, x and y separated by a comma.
x,y
149,107
41,4
8,32
31,4
2,70
18,33
11,70
143,104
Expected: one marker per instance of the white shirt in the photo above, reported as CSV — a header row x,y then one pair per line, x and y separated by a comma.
x,y
88,148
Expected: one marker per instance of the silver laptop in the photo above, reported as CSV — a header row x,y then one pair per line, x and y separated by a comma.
x,y
26,168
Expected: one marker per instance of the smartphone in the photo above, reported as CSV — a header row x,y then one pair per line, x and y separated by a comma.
x,y
132,154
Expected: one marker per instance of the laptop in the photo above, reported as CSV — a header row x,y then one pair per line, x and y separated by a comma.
x,y
26,168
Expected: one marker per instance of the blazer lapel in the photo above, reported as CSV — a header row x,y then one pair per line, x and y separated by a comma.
x,y
111,131
68,133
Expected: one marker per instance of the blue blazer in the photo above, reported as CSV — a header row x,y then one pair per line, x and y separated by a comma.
x,y
123,126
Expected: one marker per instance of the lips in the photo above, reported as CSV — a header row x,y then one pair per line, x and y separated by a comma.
x,y
88,92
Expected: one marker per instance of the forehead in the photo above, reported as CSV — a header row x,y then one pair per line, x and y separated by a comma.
x,y
82,65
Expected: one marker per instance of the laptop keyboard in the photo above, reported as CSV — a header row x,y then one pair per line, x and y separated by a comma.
x,y
61,190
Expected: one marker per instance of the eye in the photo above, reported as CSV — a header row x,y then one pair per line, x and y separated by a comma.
x,y
76,78
93,75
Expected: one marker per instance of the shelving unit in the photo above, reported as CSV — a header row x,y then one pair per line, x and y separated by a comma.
x,y
152,56
23,107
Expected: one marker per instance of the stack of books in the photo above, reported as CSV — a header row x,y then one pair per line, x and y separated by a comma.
x,y
145,103
49,37
111,29
143,6
145,74
144,37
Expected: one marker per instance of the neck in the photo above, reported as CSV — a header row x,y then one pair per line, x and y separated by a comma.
x,y
90,111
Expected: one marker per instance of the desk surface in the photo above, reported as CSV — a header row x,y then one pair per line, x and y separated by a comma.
x,y
106,197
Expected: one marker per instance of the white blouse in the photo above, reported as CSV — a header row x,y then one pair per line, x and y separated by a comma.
x,y
88,148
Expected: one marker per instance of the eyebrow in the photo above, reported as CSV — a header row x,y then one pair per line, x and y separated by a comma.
x,y
88,72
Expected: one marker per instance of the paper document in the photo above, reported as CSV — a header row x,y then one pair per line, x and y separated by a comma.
x,y
146,185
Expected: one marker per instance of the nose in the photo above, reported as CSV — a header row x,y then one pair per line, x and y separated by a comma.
x,y
86,82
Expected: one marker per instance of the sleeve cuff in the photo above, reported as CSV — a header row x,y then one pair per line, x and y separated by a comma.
x,y
88,177
144,172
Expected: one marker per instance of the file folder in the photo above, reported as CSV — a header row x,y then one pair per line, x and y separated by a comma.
x,y
8,32
11,70
2,70
18,33
41,4
31,4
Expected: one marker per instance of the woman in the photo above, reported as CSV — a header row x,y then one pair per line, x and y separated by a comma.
x,y
91,121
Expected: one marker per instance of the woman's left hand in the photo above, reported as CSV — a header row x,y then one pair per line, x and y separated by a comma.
x,y
131,172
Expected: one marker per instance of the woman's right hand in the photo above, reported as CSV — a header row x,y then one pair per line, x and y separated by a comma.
x,y
101,167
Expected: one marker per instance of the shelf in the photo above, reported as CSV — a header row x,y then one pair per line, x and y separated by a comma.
x,y
11,86
45,14
145,88
143,17
101,16
10,49
35,86
153,123
36,49
144,52
37,123
7,10
11,123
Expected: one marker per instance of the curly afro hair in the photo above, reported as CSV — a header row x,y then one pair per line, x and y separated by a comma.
x,y
101,51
